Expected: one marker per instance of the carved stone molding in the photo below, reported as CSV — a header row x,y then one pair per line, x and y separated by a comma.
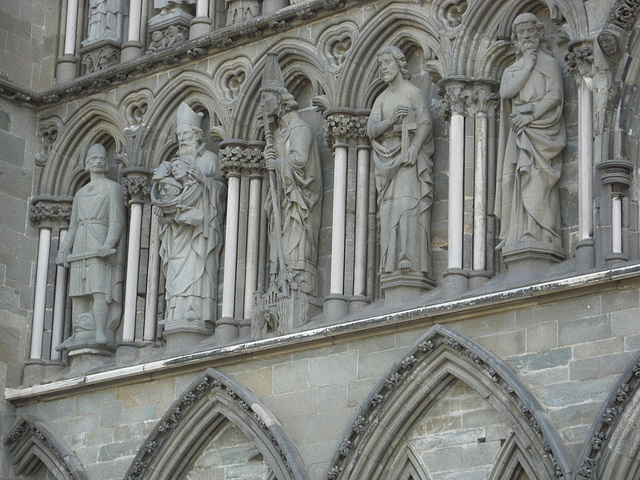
x,y
341,127
136,185
624,13
336,42
616,173
48,211
60,460
612,410
400,377
237,155
579,59
206,390
230,77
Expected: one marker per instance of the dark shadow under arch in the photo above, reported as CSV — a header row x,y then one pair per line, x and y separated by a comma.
x,y
410,388
205,407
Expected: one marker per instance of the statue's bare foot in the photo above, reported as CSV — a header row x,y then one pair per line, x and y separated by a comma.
x,y
405,264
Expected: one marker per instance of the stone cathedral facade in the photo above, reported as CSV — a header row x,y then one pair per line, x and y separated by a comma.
x,y
324,240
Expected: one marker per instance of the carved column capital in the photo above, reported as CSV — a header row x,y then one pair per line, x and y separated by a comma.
x,y
136,185
482,97
457,91
579,59
342,126
616,172
237,155
47,211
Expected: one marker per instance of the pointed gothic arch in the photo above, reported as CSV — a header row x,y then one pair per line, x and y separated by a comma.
x,y
358,86
439,359
513,462
298,61
612,447
33,445
95,122
194,88
205,407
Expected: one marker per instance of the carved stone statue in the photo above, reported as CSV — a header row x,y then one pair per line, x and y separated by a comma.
x,y
94,251
294,157
294,205
400,128
103,20
189,198
530,161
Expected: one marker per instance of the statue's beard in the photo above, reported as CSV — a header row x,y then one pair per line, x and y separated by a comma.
x,y
529,45
189,150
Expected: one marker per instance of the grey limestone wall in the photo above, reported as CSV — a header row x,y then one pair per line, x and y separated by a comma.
x,y
567,350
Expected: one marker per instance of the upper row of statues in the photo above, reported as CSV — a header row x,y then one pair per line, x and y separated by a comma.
x,y
189,192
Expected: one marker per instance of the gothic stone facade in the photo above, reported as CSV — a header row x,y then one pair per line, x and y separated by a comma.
x,y
498,372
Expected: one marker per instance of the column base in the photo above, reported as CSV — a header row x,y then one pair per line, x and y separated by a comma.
x,y
67,69
34,370
244,327
357,303
455,282
479,277
336,307
531,260
226,331
616,259
130,51
129,352
200,26
586,255
399,287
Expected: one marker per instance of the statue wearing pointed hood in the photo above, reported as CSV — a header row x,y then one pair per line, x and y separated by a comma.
x,y
189,197
294,157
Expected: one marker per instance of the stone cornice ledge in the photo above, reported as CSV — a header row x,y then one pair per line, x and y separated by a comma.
x,y
205,358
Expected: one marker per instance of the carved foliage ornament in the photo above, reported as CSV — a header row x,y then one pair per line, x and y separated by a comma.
x,y
624,13
50,211
342,128
370,413
235,158
579,60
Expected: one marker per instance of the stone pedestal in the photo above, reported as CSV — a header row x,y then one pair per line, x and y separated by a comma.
x,y
87,357
191,331
67,69
399,287
270,6
100,56
33,370
278,314
529,261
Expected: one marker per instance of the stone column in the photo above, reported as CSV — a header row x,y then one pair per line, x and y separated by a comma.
x,y
579,63
360,298
47,212
616,177
67,67
483,97
455,280
254,164
336,127
153,279
133,47
137,188
227,325
201,23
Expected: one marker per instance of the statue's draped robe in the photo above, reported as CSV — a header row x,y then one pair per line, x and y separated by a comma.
x,y
98,218
190,246
405,193
300,184
530,163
